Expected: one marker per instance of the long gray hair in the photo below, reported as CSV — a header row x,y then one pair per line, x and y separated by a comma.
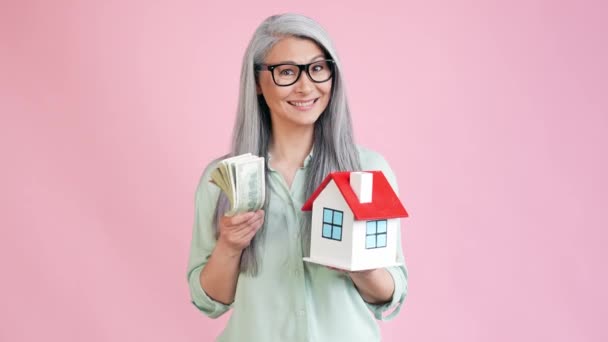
x,y
333,146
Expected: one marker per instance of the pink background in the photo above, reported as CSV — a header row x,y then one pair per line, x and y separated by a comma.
x,y
494,116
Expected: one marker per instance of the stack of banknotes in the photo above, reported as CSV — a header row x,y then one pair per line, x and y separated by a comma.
x,y
242,179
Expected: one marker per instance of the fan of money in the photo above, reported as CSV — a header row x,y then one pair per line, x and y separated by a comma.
x,y
242,179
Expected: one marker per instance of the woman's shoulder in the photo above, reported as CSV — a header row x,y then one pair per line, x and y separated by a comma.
x,y
370,159
211,165
373,161
204,182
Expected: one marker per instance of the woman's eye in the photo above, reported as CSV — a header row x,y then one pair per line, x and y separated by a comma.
x,y
286,72
317,68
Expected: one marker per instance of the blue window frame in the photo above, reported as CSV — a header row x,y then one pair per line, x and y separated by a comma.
x,y
332,224
375,236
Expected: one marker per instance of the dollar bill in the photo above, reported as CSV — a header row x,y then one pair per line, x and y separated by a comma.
x,y
242,179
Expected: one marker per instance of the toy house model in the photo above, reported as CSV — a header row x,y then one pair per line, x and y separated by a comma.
x,y
354,221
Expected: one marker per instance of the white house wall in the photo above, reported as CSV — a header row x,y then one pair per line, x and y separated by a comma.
x,y
374,257
332,251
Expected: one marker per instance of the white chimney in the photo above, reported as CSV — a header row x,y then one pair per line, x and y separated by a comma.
x,y
362,182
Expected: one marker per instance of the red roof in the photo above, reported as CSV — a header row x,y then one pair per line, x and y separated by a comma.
x,y
385,203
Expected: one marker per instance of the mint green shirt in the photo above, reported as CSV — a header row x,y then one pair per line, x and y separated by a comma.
x,y
289,300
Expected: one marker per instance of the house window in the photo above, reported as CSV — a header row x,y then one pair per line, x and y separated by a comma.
x,y
332,224
375,236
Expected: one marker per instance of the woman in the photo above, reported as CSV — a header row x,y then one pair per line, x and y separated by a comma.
x,y
292,110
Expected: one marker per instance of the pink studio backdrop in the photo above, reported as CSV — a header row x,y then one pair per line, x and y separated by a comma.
x,y
493,115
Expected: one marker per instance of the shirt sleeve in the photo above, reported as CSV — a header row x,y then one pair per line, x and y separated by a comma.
x,y
373,161
202,244
399,274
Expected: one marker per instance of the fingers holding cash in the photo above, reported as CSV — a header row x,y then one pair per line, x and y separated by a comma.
x,y
236,232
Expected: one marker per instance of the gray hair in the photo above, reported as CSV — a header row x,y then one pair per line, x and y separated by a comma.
x,y
333,146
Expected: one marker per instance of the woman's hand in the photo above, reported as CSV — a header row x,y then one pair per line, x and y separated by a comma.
x,y
362,273
236,232
219,277
374,285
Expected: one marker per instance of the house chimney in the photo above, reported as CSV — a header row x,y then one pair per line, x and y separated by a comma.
x,y
362,182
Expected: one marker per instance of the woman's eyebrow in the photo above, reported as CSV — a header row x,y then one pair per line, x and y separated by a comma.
x,y
292,62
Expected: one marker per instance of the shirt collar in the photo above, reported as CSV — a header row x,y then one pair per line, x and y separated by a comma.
x,y
305,164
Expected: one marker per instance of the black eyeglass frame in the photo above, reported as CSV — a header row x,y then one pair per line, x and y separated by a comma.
x,y
270,67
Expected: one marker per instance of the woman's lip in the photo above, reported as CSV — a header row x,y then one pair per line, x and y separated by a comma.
x,y
315,99
304,108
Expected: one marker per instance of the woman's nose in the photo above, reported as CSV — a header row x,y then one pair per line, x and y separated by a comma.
x,y
304,84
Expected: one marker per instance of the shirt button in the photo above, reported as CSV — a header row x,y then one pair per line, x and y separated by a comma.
x,y
297,273
301,313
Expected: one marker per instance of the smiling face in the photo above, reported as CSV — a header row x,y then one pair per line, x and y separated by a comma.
x,y
301,103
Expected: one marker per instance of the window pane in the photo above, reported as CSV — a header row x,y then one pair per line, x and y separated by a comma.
x,y
371,227
381,240
337,234
338,218
370,241
326,231
327,215
382,226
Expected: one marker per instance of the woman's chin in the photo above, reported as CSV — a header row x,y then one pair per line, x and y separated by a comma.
x,y
298,119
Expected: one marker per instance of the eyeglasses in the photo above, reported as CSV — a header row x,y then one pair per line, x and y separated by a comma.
x,y
287,74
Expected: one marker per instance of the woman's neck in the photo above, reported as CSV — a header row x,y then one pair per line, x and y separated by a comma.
x,y
291,147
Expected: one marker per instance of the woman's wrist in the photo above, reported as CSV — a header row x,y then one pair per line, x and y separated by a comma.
x,y
224,250
375,286
365,275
